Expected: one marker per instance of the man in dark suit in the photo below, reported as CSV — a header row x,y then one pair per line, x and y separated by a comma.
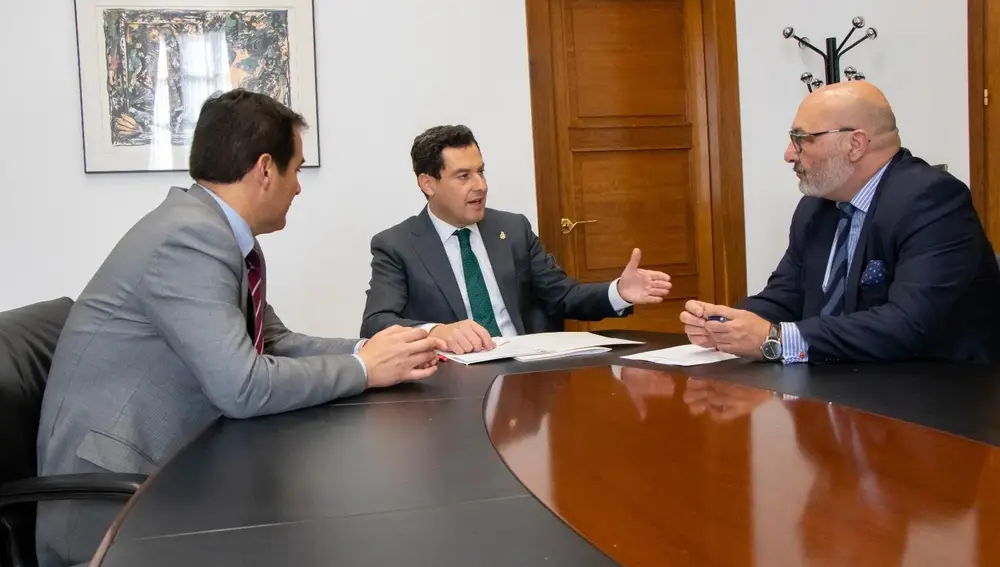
x,y
887,259
468,274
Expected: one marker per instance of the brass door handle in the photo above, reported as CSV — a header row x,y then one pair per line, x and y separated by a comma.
x,y
568,225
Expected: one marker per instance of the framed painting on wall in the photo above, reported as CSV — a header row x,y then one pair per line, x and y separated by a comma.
x,y
147,66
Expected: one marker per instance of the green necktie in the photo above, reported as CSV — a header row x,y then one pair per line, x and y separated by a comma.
x,y
475,285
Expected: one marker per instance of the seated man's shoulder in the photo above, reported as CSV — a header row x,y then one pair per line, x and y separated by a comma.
x,y
508,217
912,177
163,241
173,230
516,224
186,222
397,233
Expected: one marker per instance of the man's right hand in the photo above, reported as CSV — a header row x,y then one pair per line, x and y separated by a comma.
x,y
694,321
400,354
464,336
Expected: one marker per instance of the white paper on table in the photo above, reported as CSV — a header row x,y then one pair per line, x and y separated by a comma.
x,y
539,346
562,354
686,355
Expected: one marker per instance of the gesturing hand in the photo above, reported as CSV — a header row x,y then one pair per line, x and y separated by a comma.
x,y
643,384
399,354
639,286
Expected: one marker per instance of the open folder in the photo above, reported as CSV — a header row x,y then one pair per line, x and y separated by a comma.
x,y
541,346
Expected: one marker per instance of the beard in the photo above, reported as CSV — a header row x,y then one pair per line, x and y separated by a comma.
x,y
824,178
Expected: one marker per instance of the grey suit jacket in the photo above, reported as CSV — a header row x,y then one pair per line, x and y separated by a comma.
x,y
157,347
412,282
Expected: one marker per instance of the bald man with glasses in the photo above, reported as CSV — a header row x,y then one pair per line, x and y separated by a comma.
x,y
887,259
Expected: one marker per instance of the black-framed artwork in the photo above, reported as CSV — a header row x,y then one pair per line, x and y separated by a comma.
x,y
147,66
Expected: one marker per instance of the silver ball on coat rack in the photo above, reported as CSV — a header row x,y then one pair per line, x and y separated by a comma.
x,y
834,51
810,82
853,74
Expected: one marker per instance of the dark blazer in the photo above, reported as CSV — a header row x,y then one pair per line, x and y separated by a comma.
x,y
939,294
412,282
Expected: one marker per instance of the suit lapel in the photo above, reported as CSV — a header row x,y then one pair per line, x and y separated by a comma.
x,y
854,275
503,267
245,292
861,255
429,248
196,191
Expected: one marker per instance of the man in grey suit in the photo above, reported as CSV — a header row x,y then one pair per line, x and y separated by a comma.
x,y
175,330
468,274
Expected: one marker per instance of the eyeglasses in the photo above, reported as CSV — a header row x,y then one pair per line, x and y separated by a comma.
x,y
797,137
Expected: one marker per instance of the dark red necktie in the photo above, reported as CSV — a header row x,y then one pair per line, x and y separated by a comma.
x,y
255,271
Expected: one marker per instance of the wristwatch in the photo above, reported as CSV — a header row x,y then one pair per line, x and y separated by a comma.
x,y
771,347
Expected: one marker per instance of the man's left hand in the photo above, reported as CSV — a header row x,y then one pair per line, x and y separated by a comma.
x,y
639,286
741,334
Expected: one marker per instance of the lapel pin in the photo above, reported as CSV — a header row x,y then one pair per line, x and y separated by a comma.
x,y
503,235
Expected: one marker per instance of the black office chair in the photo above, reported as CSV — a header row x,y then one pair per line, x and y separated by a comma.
x,y
27,341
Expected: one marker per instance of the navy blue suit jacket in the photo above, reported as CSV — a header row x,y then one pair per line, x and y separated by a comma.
x,y
940,297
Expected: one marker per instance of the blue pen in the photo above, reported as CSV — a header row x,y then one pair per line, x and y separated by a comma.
x,y
718,318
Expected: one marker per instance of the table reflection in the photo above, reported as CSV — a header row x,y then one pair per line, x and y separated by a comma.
x,y
875,479
658,468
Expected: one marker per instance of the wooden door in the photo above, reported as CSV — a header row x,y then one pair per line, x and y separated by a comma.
x,y
984,112
622,134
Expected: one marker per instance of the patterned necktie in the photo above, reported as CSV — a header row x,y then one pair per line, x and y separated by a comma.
x,y
475,285
255,273
833,302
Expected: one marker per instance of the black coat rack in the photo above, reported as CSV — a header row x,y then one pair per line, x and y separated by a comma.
x,y
833,54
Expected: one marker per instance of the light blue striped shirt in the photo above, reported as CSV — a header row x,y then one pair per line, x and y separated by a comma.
x,y
794,347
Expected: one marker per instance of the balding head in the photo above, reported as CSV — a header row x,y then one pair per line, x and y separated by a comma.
x,y
856,104
842,134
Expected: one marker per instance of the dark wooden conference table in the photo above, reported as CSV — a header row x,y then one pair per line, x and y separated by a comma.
x,y
595,460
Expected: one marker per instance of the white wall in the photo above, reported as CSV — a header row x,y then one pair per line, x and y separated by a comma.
x,y
915,37
386,74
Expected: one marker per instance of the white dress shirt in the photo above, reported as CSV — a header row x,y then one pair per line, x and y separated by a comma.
x,y
453,249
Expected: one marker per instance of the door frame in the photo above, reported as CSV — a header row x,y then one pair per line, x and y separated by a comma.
x,y
977,111
724,140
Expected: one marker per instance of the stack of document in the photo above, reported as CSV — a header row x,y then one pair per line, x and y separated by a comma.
x,y
541,346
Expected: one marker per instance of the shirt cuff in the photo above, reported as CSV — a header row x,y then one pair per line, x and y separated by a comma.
x,y
617,303
357,349
362,363
794,348
428,326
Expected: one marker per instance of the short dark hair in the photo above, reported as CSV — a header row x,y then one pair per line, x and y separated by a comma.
x,y
234,129
427,147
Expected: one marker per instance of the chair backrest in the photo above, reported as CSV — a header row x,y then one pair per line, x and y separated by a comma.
x,y
28,338
538,321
